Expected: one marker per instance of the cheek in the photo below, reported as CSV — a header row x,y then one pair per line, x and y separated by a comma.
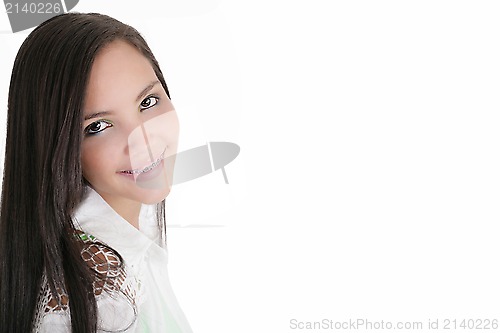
x,y
169,128
87,164
95,159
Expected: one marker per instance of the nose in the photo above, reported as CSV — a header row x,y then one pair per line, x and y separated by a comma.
x,y
138,137
149,139
139,142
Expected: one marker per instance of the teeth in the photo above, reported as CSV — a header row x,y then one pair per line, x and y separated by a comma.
x,y
146,169
151,166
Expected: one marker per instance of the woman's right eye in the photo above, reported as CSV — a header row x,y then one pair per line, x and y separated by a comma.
x,y
97,126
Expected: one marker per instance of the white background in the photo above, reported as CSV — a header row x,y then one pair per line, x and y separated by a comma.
x,y
368,180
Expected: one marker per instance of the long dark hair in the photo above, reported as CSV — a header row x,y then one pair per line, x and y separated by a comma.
x,y
43,181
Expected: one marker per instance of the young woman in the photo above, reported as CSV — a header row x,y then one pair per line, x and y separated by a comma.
x,y
90,150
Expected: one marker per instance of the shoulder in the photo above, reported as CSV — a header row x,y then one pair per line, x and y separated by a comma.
x,y
105,262
112,286
52,309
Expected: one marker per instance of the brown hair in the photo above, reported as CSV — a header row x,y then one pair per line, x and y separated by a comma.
x,y
43,181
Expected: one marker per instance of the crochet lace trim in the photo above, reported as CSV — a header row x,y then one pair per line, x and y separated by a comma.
x,y
112,281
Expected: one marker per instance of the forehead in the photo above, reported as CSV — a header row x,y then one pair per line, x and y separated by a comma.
x,y
119,70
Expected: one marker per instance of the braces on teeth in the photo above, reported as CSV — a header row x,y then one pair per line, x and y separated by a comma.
x,y
146,169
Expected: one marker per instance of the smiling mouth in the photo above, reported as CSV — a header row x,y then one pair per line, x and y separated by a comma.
x,y
146,169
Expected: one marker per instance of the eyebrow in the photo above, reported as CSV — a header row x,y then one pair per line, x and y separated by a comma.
x,y
148,88
97,114
141,95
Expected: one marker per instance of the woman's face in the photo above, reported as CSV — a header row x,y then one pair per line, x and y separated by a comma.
x,y
130,128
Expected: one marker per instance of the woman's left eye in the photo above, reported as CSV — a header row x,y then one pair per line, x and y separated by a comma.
x,y
148,102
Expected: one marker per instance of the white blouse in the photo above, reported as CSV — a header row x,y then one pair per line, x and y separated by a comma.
x,y
139,297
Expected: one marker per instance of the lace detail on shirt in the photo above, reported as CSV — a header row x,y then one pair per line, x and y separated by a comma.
x,y
112,279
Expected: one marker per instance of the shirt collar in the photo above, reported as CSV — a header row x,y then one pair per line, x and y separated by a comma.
x,y
95,217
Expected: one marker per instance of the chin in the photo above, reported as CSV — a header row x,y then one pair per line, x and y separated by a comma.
x,y
154,197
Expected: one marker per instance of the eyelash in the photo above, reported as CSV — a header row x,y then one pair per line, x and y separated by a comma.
x,y
109,123
87,129
156,98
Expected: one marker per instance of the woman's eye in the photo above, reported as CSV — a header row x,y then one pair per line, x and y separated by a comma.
x,y
97,126
148,102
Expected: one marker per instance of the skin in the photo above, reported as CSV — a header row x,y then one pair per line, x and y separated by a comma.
x,y
127,132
